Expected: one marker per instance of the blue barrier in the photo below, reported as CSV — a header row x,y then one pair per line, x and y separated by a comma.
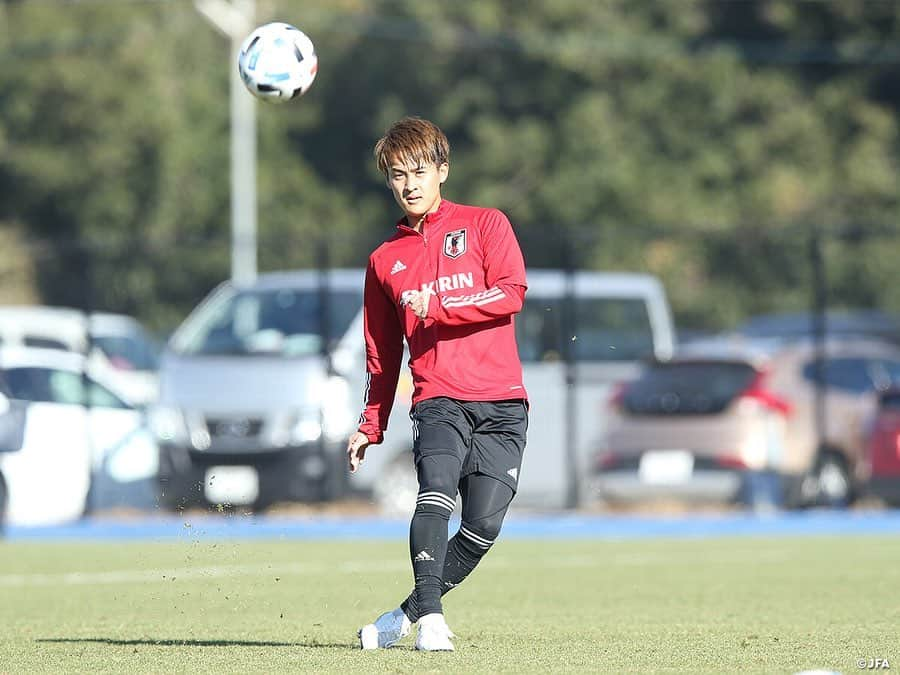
x,y
600,526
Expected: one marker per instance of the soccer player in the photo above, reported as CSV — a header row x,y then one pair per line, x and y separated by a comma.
x,y
448,281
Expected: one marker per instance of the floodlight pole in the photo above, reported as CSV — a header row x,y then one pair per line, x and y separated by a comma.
x,y
235,20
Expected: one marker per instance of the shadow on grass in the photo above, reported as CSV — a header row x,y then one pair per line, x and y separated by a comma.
x,y
198,643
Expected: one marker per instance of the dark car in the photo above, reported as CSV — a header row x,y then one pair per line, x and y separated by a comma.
x,y
838,324
882,452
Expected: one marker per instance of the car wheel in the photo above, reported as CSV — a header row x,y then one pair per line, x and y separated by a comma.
x,y
397,486
833,486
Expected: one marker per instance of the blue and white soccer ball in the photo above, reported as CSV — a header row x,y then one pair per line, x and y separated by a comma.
x,y
277,62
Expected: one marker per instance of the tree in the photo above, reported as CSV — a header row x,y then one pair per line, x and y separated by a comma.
x,y
696,140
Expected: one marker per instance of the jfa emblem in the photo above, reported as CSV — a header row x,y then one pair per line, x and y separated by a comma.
x,y
455,243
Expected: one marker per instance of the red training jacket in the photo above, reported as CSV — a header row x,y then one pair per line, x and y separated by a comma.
x,y
466,347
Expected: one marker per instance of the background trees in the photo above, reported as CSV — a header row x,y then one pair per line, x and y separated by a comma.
x,y
698,140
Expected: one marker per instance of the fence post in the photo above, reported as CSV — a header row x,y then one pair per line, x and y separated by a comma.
x,y
570,331
819,329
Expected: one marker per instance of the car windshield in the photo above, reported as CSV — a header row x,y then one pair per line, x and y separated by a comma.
x,y
687,388
286,322
856,374
130,352
606,329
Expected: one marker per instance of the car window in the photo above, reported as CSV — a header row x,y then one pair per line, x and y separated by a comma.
x,y
130,352
44,342
47,385
612,329
885,373
684,388
29,384
606,329
539,330
279,321
856,375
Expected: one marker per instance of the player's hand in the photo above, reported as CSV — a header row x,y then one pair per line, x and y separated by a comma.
x,y
356,450
417,302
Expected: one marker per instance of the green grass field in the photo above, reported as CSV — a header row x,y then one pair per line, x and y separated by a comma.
x,y
723,605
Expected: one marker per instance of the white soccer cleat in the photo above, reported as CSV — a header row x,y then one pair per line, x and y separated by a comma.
x,y
434,634
386,630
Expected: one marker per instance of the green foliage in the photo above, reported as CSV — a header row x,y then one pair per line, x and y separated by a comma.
x,y
697,140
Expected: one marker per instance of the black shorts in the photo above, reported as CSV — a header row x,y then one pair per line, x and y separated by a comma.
x,y
486,436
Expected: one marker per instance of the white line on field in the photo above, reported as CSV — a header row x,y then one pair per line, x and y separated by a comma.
x,y
174,574
559,561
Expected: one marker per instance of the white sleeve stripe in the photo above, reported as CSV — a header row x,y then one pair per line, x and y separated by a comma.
x,y
490,300
473,296
362,415
477,299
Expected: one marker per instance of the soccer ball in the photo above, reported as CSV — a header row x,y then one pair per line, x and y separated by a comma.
x,y
277,62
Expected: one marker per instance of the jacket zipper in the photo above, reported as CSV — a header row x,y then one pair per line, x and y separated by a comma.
x,y
428,261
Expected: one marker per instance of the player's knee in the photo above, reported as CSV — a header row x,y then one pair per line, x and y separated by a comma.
x,y
437,492
439,474
482,532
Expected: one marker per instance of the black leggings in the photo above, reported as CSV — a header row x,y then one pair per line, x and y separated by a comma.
x,y
485,501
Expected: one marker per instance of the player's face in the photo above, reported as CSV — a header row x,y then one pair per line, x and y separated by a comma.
x,y
417,187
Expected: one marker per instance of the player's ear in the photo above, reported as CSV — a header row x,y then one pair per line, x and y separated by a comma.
x,y
443,171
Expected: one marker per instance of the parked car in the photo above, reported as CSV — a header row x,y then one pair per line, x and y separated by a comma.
x,y
722,415
82,446
858,323
12,433
256,404
121,349
881,468
254,407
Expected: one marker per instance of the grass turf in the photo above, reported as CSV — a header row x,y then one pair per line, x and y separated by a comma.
x,y
707,605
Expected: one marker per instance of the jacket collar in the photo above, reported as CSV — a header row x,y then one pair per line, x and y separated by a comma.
x,y
430,219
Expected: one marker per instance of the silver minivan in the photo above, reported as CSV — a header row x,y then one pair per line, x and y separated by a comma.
x,y
261,385
252,406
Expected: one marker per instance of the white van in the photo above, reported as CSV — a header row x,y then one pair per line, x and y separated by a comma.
x,y
255,406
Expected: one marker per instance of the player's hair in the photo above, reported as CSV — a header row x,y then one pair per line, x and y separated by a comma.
x,y
412,140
